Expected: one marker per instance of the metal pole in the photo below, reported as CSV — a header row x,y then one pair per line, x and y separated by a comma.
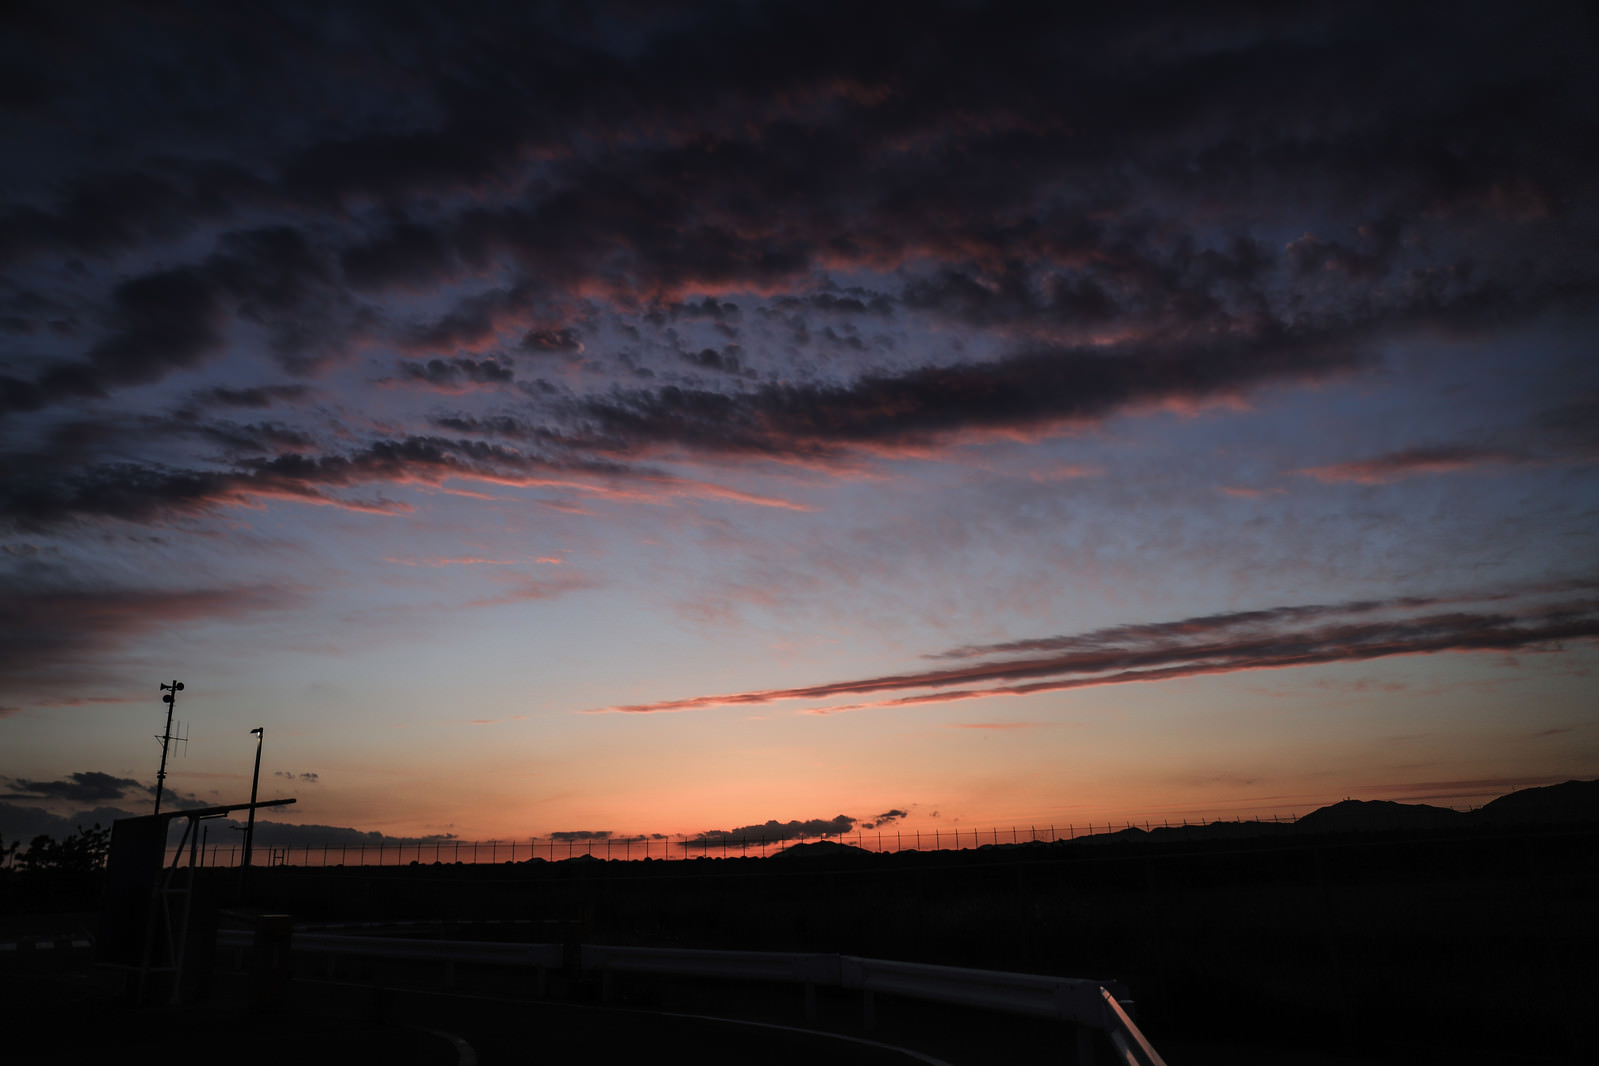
x,y
255,780
171,700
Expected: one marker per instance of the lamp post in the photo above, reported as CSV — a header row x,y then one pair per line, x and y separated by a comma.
x,y
255,780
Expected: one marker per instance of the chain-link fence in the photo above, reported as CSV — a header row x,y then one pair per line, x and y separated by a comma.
x,y
659,847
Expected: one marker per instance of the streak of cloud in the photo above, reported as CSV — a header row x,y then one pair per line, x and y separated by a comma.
x,y
1216,644
49,621
1413,462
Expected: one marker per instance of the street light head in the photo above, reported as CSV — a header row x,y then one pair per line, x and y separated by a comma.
x,y
256,732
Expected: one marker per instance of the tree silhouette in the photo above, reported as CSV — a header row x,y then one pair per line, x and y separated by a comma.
x,y
82,852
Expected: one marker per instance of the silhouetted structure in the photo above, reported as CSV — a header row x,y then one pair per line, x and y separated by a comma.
x,y
153,919
166,738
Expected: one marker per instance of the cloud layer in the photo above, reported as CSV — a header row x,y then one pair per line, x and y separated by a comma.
x,y
803,337
749,278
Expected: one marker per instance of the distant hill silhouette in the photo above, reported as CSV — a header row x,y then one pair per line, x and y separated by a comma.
x,y
1353,816
820,849
1571,803
1563,804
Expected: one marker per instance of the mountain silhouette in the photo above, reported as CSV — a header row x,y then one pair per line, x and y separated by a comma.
x,y
1350,816
1569,803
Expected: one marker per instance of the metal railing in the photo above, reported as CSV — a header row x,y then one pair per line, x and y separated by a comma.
x,y
1102,1006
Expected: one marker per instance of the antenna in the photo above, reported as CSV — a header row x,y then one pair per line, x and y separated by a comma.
x,y
166,737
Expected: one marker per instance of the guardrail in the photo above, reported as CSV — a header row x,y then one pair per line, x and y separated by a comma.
x,y
1102,1006
814,968
1066,999
538,956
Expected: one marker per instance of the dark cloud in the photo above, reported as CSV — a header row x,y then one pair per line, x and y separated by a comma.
x,y
258,396
724,361
22,822
162,322
854,301
90,787
273,271
104,213
261,437
1215,644
159,323
278,278
503,426
552,340
457,373
1571,427
771,832
718,311
405,254
1028,390
531,308
41,499
887,818
1105,210
291,835
44,497
1370,256
45,622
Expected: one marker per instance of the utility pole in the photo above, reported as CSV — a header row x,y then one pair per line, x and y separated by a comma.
x,y
166,737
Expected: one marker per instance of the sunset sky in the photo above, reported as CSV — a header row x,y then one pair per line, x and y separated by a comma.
x,y
674,418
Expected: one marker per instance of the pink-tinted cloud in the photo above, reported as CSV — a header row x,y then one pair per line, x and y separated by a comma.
x,y
521,589
1216,644
1413,462
45,624
87,701
458,560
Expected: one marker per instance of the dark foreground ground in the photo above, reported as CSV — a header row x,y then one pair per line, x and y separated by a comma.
x,y
1463,948
66,1011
